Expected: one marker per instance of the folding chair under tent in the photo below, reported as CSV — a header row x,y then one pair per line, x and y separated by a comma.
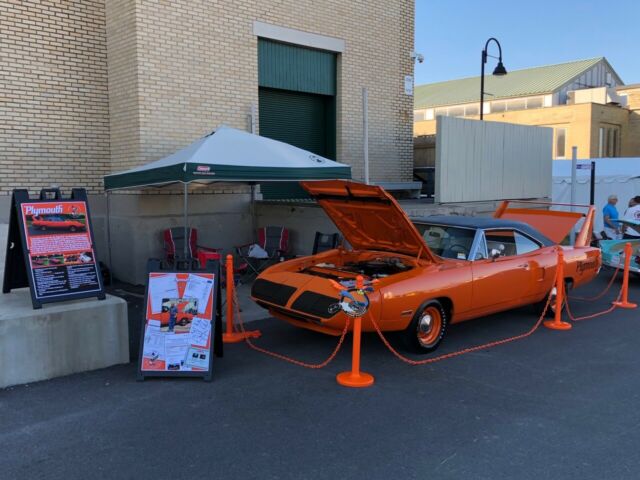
x,y
231,156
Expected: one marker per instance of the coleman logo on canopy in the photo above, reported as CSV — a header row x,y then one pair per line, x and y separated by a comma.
x,y
203,170
316,159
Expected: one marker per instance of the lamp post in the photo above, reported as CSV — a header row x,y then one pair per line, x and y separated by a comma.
x,y
498,71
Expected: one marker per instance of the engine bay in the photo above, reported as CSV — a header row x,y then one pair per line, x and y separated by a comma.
x,y
374,267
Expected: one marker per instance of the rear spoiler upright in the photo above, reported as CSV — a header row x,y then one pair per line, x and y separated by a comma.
x,y
554,224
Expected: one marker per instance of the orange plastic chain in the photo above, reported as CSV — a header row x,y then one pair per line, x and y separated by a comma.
x,y
466,350
601,294
286,358
593,315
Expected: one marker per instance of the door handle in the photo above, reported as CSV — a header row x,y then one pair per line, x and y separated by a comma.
x,y
524,265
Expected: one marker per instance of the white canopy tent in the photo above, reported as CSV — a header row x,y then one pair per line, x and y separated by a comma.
x,y
227,155
619,176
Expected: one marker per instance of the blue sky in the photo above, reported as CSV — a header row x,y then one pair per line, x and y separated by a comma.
x,y
451,34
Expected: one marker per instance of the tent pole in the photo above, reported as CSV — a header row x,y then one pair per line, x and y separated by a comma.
x,y
108,194
186,204
253,209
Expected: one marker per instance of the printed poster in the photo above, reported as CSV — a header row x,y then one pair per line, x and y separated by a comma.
x,y
178,322
61,254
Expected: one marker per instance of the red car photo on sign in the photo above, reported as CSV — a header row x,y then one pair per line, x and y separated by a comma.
x,y
178,322
61,254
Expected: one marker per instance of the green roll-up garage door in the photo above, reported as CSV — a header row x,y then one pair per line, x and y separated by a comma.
x,y
297,89
296,118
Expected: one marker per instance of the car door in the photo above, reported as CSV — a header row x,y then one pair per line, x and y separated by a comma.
x,y
509,278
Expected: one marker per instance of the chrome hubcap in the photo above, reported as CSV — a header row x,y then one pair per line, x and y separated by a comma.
x,y
425,324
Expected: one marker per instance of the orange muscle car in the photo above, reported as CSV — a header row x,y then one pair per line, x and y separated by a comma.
x,y
430,271
44,222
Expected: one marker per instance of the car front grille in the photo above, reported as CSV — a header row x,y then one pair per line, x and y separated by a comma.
x,y
272,292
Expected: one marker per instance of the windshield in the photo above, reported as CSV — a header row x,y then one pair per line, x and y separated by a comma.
x,y
446,241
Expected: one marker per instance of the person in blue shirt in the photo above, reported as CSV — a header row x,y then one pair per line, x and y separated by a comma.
x,y
610,215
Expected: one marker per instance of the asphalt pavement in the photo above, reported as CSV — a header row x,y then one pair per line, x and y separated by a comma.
x,y
557,404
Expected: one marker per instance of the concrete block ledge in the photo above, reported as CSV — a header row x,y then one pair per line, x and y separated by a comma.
x,y
60,338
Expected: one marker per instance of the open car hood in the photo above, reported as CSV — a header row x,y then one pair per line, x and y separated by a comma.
x,y
368,217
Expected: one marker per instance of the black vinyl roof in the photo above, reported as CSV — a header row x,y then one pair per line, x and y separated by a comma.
x,y
483,223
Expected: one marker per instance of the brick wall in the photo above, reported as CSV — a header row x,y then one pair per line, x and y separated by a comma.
x,y
54,118
197,69
89,87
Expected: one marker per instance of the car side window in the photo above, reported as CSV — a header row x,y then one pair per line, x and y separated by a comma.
x,y
524,244
501,240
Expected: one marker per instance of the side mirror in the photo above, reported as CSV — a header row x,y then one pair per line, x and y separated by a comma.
x,y
495,253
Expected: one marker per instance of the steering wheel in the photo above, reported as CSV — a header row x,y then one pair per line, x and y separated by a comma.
x,y
459,248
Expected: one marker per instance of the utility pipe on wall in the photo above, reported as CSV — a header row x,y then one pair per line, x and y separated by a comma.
x,y
365,127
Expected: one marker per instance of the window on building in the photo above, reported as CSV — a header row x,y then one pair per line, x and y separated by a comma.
x,y
516,104
609,141
456,111
441,111
561,142
497,107
429,114
418,115
472,110
534,102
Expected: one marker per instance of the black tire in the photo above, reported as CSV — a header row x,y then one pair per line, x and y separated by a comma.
x,y
416,337
43,228
72,228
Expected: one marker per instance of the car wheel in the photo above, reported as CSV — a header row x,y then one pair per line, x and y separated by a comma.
x,y
427,328
43,228
72,228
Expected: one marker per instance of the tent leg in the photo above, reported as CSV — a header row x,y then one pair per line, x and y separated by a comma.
x,y
110,263
186,205
252,205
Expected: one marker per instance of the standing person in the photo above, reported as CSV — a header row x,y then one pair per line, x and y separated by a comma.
x,y
173,315
633,214
610,214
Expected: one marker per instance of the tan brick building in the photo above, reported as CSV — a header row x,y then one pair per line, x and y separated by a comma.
x,y
89,87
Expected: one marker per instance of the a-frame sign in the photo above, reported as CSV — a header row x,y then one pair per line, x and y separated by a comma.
x,y
51,248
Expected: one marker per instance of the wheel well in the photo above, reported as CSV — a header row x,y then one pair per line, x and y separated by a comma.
x,y
447,304
568,282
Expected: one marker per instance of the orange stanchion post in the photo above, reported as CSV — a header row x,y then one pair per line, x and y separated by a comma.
x,y
354,377
624,299
231,336
557,323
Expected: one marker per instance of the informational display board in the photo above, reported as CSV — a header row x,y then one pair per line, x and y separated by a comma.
x,y
52,239
181,325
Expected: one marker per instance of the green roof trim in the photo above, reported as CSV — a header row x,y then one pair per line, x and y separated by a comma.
x,y
517,83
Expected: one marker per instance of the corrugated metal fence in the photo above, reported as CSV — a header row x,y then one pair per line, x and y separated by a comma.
x,y
480,161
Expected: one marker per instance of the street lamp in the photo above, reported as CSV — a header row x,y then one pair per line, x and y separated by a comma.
x,y
498,71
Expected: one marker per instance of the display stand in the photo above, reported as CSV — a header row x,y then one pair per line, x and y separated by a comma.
x,y
50,247
182,320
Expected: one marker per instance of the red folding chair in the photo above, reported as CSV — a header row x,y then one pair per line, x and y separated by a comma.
x,y
274,240
174,241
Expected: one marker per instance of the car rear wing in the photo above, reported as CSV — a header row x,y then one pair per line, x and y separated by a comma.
x,y
554,224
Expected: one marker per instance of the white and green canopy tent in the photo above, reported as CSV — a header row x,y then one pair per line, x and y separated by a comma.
x,y
228,155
